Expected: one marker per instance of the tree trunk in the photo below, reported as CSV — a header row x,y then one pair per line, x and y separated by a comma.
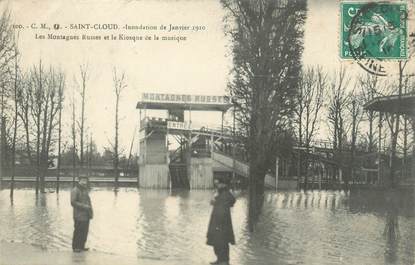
x,y
37,150
2,135
15,130
257,172
300,138
393,159
82,126
305,166
395,129
405,146
119,85
59,145
38,125
307,146
371,133
116,156
73,144
44,154
2,147
27,133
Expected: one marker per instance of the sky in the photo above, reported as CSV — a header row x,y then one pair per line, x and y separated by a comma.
x,y
199,65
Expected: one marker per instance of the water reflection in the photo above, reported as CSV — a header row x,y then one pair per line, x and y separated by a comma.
x,y
313,227
392,237
391,231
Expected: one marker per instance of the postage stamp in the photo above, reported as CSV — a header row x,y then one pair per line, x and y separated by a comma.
x,y
372,32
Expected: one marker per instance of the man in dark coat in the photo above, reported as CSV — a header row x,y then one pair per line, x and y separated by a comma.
x,y
220,230
82,213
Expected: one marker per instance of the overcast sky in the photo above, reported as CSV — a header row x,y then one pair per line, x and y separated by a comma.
x,y
199,65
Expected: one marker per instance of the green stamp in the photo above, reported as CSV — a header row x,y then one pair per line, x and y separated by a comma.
x,y
373,30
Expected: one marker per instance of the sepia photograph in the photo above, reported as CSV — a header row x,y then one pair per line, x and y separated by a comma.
x,y
175,132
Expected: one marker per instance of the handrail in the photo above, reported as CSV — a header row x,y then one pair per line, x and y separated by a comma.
x,y
230,156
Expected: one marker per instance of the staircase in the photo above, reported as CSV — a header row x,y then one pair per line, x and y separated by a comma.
x,y
178,176
241,168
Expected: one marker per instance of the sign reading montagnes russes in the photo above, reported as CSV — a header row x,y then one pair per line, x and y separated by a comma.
x,y
183,99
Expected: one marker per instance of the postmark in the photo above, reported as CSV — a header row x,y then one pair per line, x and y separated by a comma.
x,y
374,32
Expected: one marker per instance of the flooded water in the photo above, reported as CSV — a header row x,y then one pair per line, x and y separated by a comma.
x,y
320,227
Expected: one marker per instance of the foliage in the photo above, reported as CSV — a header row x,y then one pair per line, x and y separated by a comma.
x,y
267,47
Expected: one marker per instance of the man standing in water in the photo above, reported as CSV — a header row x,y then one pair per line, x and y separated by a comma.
x,y
220,230
82,213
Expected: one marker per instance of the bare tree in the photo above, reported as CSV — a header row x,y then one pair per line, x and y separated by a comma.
x,y
7,42
119,86
37,81
2,131
16,84
407,130
369,90
394,122
337,103
355,114
61,89
23,101
7,54
89,150
309,102
81,123
46,109
42,93
73,135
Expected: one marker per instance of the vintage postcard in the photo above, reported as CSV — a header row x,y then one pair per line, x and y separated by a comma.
x,y
207,132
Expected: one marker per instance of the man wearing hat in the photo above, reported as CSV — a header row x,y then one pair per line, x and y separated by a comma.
x,y
220,230
82,213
